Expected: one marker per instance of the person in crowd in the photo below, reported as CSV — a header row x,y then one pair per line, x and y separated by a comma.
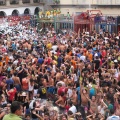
x,y
72,107
78,73
16,111
17,83
113,116
11,94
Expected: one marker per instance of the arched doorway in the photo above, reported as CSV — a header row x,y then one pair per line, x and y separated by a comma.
x,y
27,11
36,12
2,14
15,13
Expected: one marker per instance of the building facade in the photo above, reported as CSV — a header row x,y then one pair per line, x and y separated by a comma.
x,y
107,7
20,7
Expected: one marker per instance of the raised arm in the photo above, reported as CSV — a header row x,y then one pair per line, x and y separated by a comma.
x,y
40,118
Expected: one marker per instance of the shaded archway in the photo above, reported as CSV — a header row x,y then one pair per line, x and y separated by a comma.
x,y
2,14
36,12
15,13
27,11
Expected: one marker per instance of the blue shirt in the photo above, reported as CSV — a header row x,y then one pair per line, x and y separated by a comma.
x,y
13,46
91,92
99,54
94,49
59,61
78,91
79,55
9,82
40,60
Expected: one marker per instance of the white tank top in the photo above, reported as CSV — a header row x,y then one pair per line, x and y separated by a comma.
x,y
31,87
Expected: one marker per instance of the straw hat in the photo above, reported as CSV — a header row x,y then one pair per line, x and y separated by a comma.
x,y
23,94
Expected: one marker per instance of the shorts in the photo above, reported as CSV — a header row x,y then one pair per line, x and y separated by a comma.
x,y
51,90
61,110
27,112
18,87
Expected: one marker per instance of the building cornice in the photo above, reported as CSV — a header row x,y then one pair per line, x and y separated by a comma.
x,y
85,5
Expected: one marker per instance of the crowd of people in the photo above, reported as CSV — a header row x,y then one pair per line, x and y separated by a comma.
x,y
69,76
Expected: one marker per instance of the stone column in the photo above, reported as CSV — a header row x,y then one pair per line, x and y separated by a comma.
x,y
7,2
31,1
20,2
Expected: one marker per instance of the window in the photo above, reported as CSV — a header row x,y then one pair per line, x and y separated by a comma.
x,y
36,1
26,1
2,2
14,1
117,1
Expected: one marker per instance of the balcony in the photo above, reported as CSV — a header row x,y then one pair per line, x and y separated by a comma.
x,y
20,3
53,2
38,1
25,1
14,2
2,2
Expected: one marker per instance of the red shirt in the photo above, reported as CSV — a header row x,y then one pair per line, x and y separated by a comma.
x,y
11,94
67,108
3,50
104,53
25,83
62,90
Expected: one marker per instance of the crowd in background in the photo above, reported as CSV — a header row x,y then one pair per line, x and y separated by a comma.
x,y
69,76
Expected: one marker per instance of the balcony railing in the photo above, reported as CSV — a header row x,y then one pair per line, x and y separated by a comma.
x,y
53,2
2,2
38,1
25,1
57,1
14,1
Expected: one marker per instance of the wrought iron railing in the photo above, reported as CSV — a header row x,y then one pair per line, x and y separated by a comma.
x,y
14,1
51,2
38,1
26,1
2,2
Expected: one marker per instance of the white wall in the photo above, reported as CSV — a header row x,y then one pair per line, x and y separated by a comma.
x,y
101,2
107,10
9,11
